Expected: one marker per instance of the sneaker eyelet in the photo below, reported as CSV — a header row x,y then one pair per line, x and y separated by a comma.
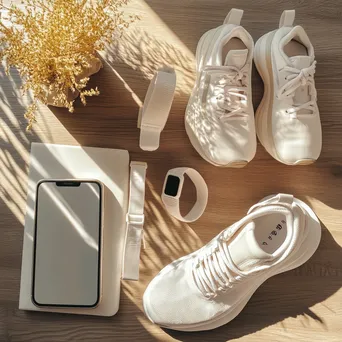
x,y
210,296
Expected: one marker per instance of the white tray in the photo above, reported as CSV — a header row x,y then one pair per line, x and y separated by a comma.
x,y
109,166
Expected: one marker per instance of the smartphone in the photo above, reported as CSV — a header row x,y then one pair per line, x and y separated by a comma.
x,y
67,243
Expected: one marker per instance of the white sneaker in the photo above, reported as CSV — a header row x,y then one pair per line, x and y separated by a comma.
x,y
287,120
211,286
219,118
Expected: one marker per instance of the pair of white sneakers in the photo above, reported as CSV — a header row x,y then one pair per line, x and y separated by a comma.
x,y
211,286
219,118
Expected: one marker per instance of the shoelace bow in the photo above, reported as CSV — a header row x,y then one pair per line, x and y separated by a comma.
x,y
296,79
214,271
231,89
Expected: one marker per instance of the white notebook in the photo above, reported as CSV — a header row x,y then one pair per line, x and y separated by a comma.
x,y
109,166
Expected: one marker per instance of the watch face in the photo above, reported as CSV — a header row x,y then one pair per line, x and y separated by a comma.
x,y
172,185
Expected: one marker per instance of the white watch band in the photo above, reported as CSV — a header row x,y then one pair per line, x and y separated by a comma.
x,y
135,221
172,190
155,111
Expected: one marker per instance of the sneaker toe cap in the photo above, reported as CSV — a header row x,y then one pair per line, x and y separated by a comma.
x,y
298,152
230,146
298,141
172,298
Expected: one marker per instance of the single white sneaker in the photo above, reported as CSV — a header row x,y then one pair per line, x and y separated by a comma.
x,y
219,118
287,120
211,286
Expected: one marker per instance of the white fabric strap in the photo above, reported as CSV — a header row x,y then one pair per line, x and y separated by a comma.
x,y
135,221
234,17
287,18
172,202
155,111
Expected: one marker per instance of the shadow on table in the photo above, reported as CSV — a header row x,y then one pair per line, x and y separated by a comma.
x,y
108,120
43,326
14,145
142,54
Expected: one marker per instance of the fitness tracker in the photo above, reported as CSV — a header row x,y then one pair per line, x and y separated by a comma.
x,y
172,190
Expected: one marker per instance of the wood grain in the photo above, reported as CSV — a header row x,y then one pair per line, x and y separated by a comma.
x,y
301,305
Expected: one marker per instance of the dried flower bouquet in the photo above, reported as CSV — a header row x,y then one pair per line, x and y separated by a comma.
x,y
54,44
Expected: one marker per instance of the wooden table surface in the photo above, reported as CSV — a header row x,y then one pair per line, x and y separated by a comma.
x,y
301,305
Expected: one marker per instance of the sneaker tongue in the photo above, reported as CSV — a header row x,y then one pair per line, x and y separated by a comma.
x,y
245,250
302,94
301,62
236,58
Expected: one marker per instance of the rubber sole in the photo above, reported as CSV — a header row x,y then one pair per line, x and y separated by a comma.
x,y
263,116
312,240
305,162
206,42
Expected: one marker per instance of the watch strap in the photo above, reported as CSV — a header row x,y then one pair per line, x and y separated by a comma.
x,y
135,221
155,111
172,203
201,193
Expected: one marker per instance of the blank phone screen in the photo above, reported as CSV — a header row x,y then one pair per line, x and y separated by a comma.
x,y
67,241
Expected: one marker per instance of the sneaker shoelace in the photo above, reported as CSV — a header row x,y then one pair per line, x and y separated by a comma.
x,y
230,92
214,271
296,79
